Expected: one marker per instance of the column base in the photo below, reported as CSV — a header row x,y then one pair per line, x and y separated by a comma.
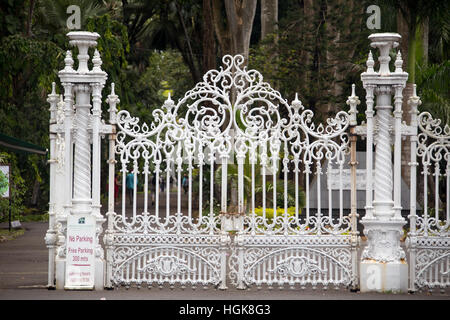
x,y
60,273
385,277
99,280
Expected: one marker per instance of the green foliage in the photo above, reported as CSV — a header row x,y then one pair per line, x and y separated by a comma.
x,y
113,46
280,212
433,82
165,72
27,69
12,17
17,189
51,18
318,52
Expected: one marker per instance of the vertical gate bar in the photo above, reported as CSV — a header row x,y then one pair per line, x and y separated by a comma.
x,y
425,198
135,178
190,188
353,208
398,100
68,116
253,215
200,194
199,274
200,184
156,191
307,171
51,239
211,192
285,182
51,235
146,172
223,205
274,186
319,198
96,145
296,169
341,192
168,163
124,186
447,196
330,195
110,214
240,160
268,262
436,192
179,163
414,101
263,178
353,102
369,152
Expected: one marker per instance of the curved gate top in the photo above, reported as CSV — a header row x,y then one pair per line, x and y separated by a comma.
x,y
230,155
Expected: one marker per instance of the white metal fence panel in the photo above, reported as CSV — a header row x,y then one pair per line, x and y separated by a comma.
x,y
236,139
281,241
429,235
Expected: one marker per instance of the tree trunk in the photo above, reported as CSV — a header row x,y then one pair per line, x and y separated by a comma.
x,y
340,16
220,28
30,18
209,42
269,17
425,37
234,34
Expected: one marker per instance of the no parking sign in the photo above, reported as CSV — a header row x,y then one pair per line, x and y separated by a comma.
x,y
80,255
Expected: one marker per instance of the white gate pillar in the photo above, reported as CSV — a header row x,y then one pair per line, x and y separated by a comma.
x,y
383,266
79,129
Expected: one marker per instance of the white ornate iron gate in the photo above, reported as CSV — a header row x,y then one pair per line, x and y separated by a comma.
x,y
252,163
232,116
429,234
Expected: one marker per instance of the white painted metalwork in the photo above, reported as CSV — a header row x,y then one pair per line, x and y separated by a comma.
x,y
383,223
232,116
75,132
248,157
429,236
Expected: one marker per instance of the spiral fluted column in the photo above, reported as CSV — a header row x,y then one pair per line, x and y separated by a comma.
x,y
383,264
383,203
82,158
82,127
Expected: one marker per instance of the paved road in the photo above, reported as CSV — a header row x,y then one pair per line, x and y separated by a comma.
x,y
23,275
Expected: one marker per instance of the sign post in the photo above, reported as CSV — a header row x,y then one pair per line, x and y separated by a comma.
x,y
80,262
